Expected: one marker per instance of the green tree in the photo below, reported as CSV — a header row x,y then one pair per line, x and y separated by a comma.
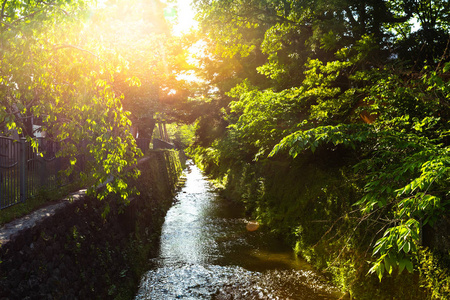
x,y
138,34
52,72
369,76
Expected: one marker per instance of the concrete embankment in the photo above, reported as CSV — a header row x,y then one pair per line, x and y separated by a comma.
x,y
74,253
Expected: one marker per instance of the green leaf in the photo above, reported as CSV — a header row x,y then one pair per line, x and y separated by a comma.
x,y
388,264
401,265
407,247
409,266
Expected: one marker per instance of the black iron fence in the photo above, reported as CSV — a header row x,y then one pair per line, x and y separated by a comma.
x,y
161,144
23,171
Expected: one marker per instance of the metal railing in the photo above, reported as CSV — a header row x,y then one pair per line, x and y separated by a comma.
x,y
23,171
161,144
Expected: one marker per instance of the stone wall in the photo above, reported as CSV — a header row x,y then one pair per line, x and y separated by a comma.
x,y
77,254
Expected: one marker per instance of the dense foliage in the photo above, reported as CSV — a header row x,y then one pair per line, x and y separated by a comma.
x,y
55,75
369,77
79,72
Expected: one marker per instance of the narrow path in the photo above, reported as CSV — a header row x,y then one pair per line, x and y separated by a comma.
x,y
14,227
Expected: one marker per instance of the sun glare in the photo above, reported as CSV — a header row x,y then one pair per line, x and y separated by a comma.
x,y
128,27
180,13
185,15
195,52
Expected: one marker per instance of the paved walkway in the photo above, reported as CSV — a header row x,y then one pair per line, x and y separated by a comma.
x,y
30,220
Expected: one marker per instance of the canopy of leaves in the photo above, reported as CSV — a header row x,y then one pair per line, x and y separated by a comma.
x,y
78,70
53,74
372,76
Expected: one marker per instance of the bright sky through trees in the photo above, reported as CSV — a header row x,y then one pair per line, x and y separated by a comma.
x,y
91,72
185,17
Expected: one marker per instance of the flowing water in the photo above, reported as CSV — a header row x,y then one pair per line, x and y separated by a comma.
x,y
209,251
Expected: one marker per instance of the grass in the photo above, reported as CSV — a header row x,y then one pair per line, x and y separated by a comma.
x,y
42,198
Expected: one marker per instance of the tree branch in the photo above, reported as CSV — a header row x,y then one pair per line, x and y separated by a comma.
x,y
3,10
62,46
7,25
26,17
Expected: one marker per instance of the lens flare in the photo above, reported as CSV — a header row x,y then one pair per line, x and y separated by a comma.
x,y
252,226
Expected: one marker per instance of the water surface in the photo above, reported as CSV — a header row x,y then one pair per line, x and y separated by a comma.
x,y
207,252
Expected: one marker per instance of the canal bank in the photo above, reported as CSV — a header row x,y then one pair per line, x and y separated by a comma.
x,y
77,254
309,203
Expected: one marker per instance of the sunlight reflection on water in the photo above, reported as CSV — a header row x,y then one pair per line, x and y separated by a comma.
x,y
208,252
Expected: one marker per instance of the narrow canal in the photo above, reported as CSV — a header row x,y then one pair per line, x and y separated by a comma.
x,y
208,252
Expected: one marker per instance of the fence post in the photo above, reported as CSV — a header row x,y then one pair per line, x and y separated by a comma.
x,y
41,164
23,170
1,185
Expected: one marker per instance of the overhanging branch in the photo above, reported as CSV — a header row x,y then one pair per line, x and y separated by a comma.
x,y
3,10
63,46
